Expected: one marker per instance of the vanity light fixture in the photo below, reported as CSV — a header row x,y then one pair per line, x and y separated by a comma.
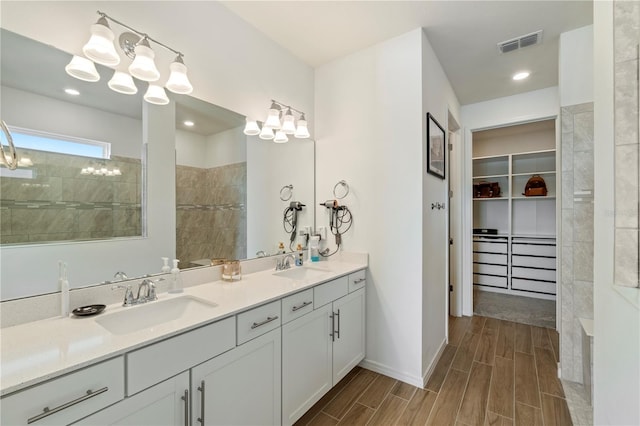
x,y
136,45
521,75
274,128
100,170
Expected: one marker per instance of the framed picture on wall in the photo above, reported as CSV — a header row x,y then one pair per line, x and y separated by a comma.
x,y
436,148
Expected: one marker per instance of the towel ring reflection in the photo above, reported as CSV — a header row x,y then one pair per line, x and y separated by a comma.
x,y
286,192
10,160
345,188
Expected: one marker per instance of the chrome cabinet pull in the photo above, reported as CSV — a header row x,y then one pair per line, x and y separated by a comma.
x,y
268,320
338,331
297,308
185,398
358,281
333,327
46,412
201,389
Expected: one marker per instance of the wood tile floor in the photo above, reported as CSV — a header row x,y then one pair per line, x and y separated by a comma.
x,y
492,372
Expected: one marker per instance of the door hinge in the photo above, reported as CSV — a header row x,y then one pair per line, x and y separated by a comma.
x,y
450,241
450,287
450,194
450,147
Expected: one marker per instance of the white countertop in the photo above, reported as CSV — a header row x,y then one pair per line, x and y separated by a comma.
x,y
41,350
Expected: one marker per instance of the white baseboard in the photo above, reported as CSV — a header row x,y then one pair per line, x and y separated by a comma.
x,y
432,365
390,372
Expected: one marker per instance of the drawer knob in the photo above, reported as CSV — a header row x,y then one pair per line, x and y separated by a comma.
x,y
46,412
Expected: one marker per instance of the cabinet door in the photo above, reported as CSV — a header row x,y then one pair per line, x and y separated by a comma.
x,y
306,362
162,404
240,387
348,347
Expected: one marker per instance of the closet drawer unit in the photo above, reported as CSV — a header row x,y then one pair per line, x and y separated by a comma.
x,y
496,259
534,249
328,292
533,274
296,305
155,363
533,285
357,280
536,262
67,398
258,321
481,268
490,280
490,247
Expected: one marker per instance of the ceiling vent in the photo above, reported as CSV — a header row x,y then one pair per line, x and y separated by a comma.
x,y
520,42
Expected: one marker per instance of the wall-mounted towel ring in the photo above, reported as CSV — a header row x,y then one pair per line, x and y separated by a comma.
x,y
286,192
10,160
341,190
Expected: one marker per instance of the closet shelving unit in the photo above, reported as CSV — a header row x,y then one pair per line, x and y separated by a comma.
x,y
521,257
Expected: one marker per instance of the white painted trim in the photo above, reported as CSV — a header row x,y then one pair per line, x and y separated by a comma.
x,y
390,372
432,365
511,292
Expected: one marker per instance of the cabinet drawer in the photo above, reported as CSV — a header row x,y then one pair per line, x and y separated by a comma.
x,y
328,292
535,274
357,280
490,280
157,362
497,247
536,262
480,268
297,305
499,259
104,380
258,321
532,285
534,249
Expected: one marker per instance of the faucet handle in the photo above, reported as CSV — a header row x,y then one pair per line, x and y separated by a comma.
x,y
128,294
152,289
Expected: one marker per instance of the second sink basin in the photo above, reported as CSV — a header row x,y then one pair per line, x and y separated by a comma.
x,y
150,314
302,273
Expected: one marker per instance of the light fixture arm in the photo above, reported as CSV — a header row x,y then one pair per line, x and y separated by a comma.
x,y
141,34
285,106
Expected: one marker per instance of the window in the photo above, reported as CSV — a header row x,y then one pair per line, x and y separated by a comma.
x,y
42,141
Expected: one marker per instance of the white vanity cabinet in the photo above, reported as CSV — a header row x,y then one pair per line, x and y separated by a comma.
x,y
321,347
166,403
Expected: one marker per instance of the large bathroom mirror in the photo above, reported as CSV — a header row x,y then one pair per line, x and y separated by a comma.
x,y
229,196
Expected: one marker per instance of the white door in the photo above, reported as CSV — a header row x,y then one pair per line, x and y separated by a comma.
x,y
162,404
240,387
306,362
349,323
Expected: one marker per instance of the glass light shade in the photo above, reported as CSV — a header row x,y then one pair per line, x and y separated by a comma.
x,y
82,69
266,133
84,171
156,95
289,124
116,171
143,66
122,82
100,48
251,128
273,119
178,81
25,162
281,137
301,131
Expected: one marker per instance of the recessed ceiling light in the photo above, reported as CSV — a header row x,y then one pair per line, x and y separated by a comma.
x,y
521,75
72,92
189,123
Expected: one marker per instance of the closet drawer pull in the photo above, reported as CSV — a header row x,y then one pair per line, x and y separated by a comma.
x,y
297,308
358,281
268,320
47,412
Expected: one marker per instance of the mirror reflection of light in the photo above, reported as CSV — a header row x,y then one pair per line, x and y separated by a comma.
x,y
189,123
72,92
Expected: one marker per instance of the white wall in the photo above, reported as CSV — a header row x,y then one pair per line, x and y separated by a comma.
x,y
228,147
438,99
616,364
230,63
510,110
191,149
575,73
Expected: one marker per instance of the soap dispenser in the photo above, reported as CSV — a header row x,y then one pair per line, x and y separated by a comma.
x,y
314,248
176,278
165,267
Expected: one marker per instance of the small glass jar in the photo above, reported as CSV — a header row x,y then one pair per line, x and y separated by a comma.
x,y
231,271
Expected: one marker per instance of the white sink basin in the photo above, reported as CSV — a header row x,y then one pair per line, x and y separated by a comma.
x,y
302,273
150,314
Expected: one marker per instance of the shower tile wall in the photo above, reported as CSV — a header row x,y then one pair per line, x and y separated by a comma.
x,y
211,213
58,203
626,39
577,234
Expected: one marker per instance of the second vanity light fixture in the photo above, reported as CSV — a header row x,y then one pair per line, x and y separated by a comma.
x,y
135,44
280,122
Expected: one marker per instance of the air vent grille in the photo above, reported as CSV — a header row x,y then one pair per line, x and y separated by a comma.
x,y
520,42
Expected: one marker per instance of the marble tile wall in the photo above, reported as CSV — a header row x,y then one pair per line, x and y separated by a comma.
x,y
576,274
626,131
58,203
211,217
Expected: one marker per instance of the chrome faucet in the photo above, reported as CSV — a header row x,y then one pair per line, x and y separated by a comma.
x,y
284,263
146,292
